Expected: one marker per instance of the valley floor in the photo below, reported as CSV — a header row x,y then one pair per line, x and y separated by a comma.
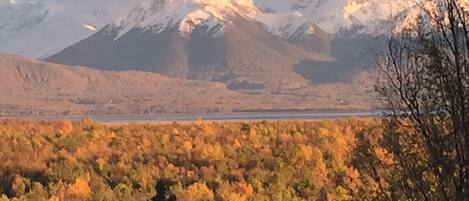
x,y
35,88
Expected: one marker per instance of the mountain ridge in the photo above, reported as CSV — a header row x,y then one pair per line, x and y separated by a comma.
x,y
207,40
63,19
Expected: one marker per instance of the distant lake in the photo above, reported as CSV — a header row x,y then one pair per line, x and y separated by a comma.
x,y
212,116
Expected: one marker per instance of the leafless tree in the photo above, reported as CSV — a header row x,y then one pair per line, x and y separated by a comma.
x,y
425,83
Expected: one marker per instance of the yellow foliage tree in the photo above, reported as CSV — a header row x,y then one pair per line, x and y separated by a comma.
x,y
195,192
18,185
65,127
232,196
210,152
306,152
240,191
80,188
53,198
187,146
4,198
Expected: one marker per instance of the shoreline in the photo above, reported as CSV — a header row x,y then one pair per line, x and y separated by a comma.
x,y
217,117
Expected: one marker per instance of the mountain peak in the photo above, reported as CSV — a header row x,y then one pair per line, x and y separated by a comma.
x,y
335,15
158,15
230,41
40,28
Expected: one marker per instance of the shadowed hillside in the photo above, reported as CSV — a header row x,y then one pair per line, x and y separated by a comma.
x,y
30,87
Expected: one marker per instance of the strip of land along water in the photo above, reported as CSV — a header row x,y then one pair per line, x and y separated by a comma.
x,y
239,116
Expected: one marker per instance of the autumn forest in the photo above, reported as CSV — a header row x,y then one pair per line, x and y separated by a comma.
x,y
310,160
416,149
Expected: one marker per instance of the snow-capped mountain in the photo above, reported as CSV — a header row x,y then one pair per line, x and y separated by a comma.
x,y
235,41
224,40
334,16
214,15
38,28
187,14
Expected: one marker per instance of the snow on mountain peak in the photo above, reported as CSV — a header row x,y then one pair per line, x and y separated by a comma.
x,y
335,15
158,15
287,25
39,28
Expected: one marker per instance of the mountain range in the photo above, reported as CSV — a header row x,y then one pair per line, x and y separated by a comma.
x,y
227,41
58,23
272,47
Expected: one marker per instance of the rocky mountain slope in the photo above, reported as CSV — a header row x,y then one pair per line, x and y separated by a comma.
x,y
220,40
40,28
248,44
